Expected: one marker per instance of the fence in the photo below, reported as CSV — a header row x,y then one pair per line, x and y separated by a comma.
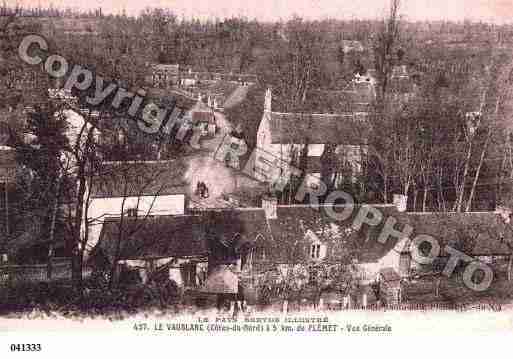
x,y
61,269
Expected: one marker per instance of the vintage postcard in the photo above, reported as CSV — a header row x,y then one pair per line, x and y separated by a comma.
x,y
297,168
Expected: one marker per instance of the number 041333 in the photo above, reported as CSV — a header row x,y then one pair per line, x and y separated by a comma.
x,y
26,347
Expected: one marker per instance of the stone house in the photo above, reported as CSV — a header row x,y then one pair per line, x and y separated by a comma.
x,y
239,249
340,124
148,244
203,118
306,235
138,188
165,75
194,246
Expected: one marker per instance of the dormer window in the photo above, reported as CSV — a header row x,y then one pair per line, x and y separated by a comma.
x,y
317,251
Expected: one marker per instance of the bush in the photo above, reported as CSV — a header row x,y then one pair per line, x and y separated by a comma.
x,y
21,296
95,298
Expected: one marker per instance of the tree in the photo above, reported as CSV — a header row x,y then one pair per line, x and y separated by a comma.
x,y
385,42
383,147
42,156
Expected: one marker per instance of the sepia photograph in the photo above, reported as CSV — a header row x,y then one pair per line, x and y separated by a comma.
x,y
296,168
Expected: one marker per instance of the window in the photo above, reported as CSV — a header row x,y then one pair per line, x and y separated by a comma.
x,y
188,272
317,251
131,212
259,254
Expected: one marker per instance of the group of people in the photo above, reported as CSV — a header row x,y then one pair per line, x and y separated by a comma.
x,y
202,189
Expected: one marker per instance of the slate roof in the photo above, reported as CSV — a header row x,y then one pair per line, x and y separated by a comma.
x,y
293,221
220,234
141,178
167,98
229,231
169,68
338,117
318,128
153,237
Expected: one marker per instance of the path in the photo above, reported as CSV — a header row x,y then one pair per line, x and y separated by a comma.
x,y
236,96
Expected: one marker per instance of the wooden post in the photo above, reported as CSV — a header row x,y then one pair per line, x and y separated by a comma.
x,y
285,307
6,210
437,287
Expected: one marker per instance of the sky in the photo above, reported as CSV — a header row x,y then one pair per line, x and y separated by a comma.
x,y
498,11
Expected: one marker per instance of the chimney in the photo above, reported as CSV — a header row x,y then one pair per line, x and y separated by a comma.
x,y
269,205
401,202
268,99
404,264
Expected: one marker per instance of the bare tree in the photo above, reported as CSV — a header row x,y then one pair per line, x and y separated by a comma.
x,y
382,149
385,42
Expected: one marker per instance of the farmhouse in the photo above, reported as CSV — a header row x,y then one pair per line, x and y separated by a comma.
x,y
229,251
340,128
134,188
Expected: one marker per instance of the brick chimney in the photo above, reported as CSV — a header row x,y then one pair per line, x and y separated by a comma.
x,y
404,263
401,202
270,204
